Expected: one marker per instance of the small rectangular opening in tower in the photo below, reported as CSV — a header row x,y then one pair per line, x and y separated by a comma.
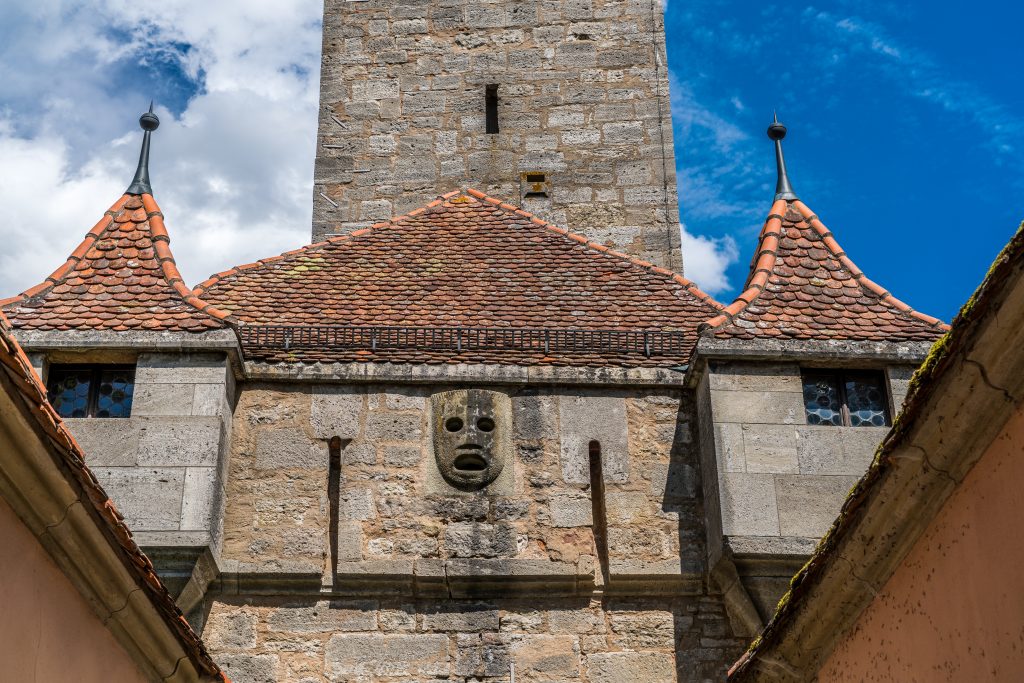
x,y
491,108
536,185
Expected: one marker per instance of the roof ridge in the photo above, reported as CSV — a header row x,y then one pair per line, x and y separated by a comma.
x,y
76,256
162,254
168,266
760,269
687,284
217,277
830,242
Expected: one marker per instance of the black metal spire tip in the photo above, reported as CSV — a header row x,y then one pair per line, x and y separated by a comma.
x,y
140,183
783,188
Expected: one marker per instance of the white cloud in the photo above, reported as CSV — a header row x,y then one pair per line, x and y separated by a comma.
x,y
919,75
706,259
231,171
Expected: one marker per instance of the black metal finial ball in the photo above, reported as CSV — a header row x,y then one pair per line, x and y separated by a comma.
x,y
149,121
776,131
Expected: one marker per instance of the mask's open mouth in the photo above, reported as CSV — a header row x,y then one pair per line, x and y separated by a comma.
x,y
470,462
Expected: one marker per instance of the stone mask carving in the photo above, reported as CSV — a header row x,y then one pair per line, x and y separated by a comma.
x,y
472,436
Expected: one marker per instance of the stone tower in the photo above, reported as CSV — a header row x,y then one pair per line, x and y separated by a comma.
x,y
561,107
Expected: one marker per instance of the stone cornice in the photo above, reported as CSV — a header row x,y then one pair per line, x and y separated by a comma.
x,y
453,373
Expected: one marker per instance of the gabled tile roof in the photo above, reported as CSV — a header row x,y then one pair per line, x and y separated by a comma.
x,y
465,260
16,366
121,277
803,286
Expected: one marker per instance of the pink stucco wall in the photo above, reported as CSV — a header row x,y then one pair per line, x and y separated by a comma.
x,y
47,631
954,609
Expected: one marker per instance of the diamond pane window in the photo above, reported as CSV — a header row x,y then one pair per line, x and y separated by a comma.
x,y
91,390
821,400
846,398
866,401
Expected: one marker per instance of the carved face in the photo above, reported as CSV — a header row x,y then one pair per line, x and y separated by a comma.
x,y
472,432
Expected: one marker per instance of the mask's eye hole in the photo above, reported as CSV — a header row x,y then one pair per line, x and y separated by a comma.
x,y
485,424
453,424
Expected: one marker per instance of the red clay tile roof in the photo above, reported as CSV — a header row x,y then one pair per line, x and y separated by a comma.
x,y
17,368
803,286
465,260
121,277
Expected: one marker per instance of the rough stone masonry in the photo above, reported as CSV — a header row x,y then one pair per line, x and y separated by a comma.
x,y
583,103
421,581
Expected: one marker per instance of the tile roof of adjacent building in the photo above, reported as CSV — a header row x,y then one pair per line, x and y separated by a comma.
x,y
121,277
15,364
802,285
464,260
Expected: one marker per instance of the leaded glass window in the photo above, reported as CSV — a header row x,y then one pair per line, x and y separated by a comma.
x,y
91,390
845,398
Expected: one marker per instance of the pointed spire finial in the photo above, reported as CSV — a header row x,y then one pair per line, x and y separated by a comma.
x,y
140,183
783,189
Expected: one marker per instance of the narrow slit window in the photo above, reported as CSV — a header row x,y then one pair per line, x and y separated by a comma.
x,y
334,496
491,108
599,513
91,390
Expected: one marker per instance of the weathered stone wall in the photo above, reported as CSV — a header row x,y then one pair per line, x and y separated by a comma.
x,y
315,640
780,482
163,466
583,97
387,511
433,584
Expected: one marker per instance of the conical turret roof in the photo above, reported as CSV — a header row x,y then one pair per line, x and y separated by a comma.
x,y
121,277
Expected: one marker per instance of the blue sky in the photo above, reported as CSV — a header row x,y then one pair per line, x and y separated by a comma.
x,y
906,130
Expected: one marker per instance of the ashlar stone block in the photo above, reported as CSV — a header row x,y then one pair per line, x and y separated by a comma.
x,y
748,504
628,667
278,448
837,450
462,618
729,447
756,377
250,668
758,407
809,504
198,498
770,448
148,497
548,657
568,511
351,654
336,411
180,441
325,616
110,442
163,399
593,418
179,368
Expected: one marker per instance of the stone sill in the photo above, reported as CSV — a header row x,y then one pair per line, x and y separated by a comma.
x,y
458,578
